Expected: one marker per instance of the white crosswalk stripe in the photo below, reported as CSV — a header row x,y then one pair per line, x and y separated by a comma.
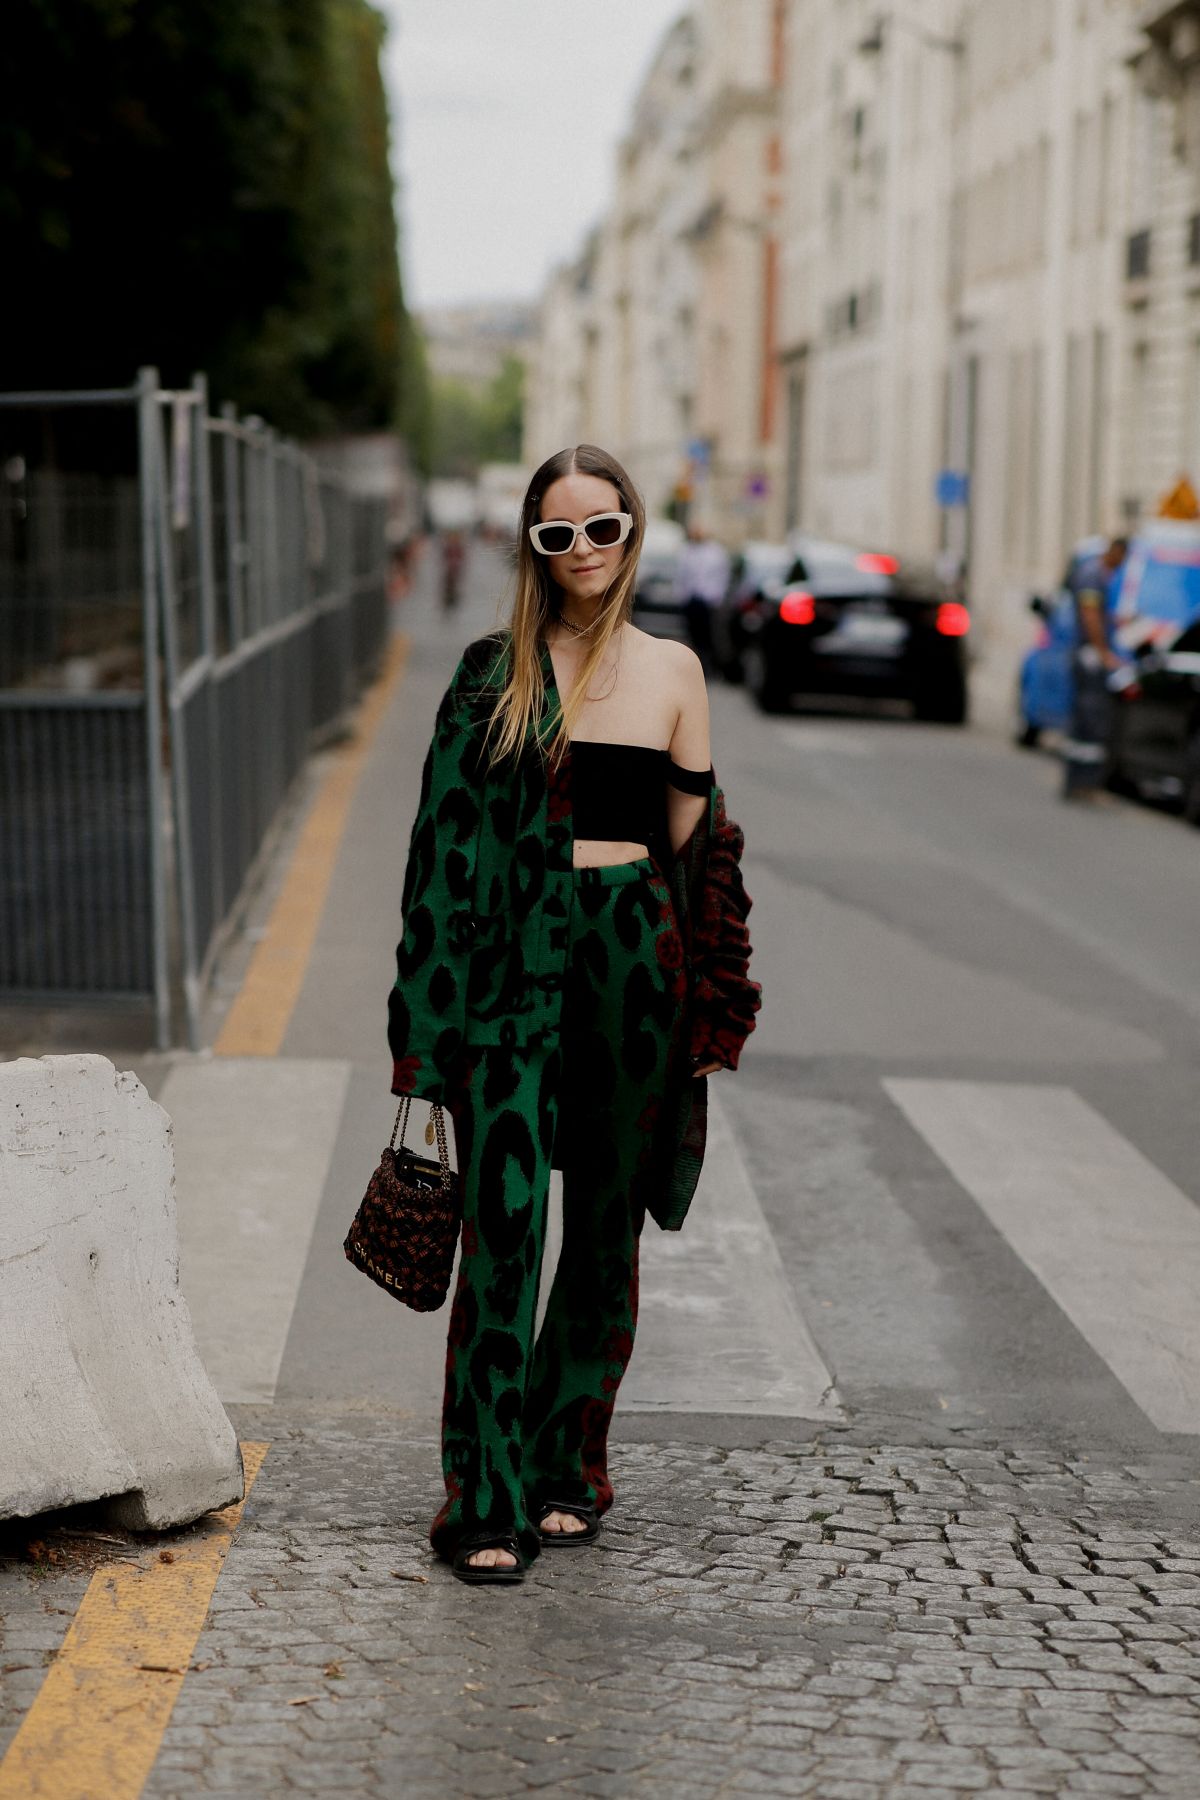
x,y
718,1328
1114,1243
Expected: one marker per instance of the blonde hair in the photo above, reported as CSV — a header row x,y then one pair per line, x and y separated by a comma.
x,y
536,602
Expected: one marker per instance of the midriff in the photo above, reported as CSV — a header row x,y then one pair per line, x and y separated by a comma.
x,y
602,853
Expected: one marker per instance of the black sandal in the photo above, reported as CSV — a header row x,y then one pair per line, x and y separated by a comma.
x,y
488,1540
588,1514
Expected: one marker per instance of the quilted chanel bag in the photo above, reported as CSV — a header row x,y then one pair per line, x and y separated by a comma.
x,y
405,1231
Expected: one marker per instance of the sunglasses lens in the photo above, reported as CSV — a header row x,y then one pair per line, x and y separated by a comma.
x,y
554,539
603,532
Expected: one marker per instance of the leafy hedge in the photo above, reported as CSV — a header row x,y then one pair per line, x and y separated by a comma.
x,y
205,184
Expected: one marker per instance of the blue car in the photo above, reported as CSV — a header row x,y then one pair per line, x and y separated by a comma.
x,y
1046,696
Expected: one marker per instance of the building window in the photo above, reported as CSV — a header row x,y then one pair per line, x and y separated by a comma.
x,y
1104,177
1033,459
1143,156
1193,241
1075,440
1137,472
1137,255
1099,428
1191,444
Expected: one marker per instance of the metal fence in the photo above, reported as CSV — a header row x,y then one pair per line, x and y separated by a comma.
x,y
187,603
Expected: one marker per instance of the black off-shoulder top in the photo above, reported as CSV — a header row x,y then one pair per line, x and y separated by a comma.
x,y
619,792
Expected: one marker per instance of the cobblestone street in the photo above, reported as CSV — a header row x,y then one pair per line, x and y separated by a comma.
x,y
812,1617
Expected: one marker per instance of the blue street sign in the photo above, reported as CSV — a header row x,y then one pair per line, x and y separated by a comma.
x,y
952,487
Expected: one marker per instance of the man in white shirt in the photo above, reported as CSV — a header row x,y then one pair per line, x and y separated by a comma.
x,y
700,583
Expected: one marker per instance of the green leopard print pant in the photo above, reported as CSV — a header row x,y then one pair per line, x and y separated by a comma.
x,y
525,1422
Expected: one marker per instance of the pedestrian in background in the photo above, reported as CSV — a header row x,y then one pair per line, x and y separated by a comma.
x,y
700,583
573,967
1085,751
454,556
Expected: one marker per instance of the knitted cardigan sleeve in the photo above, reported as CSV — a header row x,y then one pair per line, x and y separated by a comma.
x,y
427,1002
724,999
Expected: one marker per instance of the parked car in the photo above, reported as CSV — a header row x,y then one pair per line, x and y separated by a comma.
x,y
655,594
1046,685
1155,743
857,622
759,572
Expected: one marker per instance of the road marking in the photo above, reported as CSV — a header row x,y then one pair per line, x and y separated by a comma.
x,y
259,1017
95,1729
718,1327
1114,1243
254,1139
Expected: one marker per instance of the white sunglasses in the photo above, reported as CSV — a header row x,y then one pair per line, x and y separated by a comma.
x,y
554,537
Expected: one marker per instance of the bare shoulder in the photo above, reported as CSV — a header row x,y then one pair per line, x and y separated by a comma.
x,y
671,662
679,687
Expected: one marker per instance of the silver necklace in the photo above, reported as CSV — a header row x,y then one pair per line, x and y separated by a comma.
x,y
579,630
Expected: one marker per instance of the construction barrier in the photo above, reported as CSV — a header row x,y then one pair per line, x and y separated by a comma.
x,y
102,1391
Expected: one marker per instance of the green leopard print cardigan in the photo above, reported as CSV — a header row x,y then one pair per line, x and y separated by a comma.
x,y
487,881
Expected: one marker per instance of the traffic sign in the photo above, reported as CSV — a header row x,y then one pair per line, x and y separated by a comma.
x,y
952,487
1181,502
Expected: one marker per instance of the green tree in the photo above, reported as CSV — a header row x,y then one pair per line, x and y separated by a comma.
x,y
503,410
457,428
471,426
204,184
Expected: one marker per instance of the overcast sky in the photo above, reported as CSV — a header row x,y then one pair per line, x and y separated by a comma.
x,y
506,114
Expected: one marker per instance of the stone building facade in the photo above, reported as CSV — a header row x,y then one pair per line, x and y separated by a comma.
x,y
853,247
658,340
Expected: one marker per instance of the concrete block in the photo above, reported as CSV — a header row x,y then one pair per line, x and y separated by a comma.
x,y
102,1391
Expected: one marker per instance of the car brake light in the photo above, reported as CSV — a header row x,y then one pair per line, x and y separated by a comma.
x,y
953,619
873,562
798,607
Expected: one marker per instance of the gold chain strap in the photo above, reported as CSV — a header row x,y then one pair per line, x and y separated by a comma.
x,y
438,1119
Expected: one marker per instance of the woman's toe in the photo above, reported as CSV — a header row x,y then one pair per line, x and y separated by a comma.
x,y
559,1521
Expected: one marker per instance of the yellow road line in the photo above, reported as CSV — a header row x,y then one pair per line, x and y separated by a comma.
x,y
94,1731
257,1020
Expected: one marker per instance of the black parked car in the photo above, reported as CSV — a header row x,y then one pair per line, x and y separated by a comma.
x,y
760,571
1154,747
1155,744
857,622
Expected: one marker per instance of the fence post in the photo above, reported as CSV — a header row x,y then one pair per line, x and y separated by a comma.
x,y
271,523
235,585
147,417
208,650
256,609
179,780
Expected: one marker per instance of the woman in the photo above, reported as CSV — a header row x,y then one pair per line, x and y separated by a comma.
x,y
573,967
